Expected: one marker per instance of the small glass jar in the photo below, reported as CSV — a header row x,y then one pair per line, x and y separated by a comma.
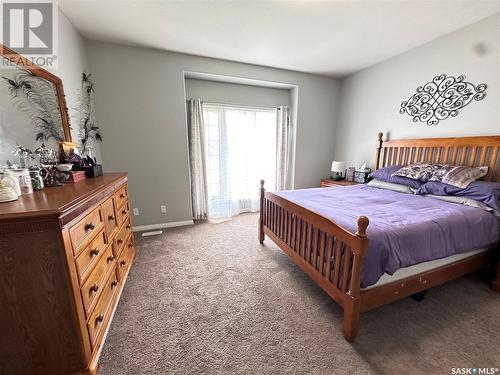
x,y
36,179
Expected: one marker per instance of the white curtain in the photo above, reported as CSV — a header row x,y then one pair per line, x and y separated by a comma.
x,y
197,159
241,150
282,147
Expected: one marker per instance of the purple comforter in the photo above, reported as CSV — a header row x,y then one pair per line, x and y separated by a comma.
x,y
405,229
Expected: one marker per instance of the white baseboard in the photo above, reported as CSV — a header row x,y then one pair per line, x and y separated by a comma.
x,y
141,228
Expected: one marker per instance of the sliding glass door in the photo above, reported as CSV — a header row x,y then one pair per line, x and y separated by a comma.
x,y
241,149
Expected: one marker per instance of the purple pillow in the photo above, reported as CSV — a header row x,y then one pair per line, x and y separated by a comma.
x,y
385,174
483,191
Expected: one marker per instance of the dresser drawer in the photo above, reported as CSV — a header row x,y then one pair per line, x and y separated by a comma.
x,y
121,197
90,256
100,317
92,288
123,213
87,227
126,256
121,238
110,219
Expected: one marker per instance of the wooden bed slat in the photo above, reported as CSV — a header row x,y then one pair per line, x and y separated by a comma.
x,y
322,244
455,155
314,248
346,268
463,156
329,255
303,239
482,159
336,262
297,235
472,158
447,155
491,166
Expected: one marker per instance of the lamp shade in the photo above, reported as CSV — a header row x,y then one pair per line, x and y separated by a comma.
x,y
338,166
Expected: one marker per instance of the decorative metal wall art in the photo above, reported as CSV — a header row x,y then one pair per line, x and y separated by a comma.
x,y
441,98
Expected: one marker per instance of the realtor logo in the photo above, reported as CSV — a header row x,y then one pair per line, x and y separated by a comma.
x,y
29,28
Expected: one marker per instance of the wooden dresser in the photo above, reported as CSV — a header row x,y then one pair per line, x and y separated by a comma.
x,y
65,254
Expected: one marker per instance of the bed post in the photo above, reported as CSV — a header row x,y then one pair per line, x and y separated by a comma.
x,y
379,147
353,303
261,214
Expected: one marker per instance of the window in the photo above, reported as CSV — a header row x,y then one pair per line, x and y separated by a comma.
x,y
240,151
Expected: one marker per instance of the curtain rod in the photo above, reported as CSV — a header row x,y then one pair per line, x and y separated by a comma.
x,y
239,106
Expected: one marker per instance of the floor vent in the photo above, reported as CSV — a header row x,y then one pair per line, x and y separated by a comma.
x,y
153,233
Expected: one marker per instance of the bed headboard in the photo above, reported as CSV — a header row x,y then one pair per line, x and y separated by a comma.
x,y
471,151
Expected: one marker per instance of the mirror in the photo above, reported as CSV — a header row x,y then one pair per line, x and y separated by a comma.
x,y
33,113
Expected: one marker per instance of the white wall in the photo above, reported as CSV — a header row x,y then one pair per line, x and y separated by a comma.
x,y
140,104
237,94
370,99
72,62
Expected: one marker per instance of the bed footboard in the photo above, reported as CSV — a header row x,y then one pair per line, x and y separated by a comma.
x,y
329,254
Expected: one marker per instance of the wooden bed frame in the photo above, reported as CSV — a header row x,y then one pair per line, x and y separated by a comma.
x,y
309,238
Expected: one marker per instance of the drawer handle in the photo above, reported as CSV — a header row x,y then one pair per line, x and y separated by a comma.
x,y
95,251
90,226
110,258
120,241
94,288
122,195
124,212
128,226
130,244
122,263
111,217
99,319
114,283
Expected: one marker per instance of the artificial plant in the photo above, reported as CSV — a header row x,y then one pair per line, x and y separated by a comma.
x,y
89,131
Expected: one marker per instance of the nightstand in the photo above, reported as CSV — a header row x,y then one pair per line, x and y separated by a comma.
x,y
328,182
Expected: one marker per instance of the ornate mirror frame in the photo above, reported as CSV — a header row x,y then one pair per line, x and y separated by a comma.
x,y
23,62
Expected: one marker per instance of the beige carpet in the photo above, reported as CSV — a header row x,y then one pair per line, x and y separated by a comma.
x,y
210,299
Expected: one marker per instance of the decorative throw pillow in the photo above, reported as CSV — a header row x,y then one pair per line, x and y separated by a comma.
x,y
386,174
417,171
456,176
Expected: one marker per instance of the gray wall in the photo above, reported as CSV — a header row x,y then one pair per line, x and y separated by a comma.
x,y
370,99
230,93
140,104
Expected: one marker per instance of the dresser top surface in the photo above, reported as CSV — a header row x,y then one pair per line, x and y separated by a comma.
x,y
57,200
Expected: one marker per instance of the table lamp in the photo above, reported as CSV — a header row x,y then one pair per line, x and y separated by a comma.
x,y
338,169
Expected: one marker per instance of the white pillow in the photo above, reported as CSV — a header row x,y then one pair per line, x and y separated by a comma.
x,y
391,186
465,201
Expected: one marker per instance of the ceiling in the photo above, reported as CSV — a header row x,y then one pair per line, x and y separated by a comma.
x,y
332,38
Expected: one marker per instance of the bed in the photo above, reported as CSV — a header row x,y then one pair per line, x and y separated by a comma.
x,y
366,247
